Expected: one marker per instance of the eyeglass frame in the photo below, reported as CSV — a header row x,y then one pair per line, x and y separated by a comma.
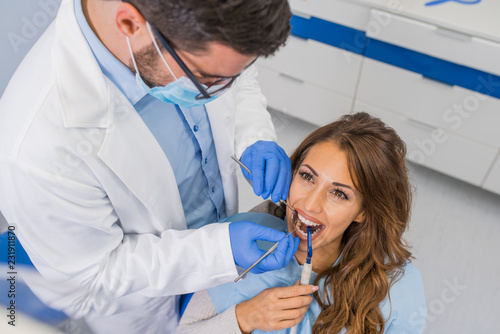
x,y
204,94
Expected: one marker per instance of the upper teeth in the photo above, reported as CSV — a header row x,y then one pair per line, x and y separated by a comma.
x,y
307,222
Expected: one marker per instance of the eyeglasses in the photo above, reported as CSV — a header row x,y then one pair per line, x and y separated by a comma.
x,y
215,89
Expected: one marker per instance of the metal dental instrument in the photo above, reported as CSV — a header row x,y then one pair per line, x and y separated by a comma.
x,y
294,212
241,164
294,217
263,256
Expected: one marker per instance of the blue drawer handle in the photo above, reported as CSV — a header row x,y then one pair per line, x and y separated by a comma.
x,y
463,2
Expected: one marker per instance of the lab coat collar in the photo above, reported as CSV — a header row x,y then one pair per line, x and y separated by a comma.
x,y
112,67
89,99
76,68
131,152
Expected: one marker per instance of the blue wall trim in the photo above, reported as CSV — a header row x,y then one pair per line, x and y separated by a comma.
x,y
329,33
434,68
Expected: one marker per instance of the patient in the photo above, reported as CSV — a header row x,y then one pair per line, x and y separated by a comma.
x,y
350,183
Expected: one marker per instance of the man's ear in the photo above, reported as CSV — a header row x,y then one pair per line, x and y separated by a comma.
x,y
129,21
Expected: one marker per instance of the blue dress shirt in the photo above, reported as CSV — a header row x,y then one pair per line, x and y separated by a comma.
x,y
184,134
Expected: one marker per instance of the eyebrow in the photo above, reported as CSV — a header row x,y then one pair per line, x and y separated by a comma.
x,y
206,75
334,183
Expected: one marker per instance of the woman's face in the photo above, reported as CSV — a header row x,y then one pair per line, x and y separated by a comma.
x,y
323,193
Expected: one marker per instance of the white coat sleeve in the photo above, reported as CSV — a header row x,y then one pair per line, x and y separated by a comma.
x,y
73,236
200,316
252,120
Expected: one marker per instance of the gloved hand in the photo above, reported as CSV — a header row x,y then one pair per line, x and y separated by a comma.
x,y
271,170
243,236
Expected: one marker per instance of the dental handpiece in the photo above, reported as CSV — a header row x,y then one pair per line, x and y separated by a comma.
x,y
305,277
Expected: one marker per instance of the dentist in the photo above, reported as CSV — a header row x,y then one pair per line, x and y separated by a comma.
x,y
116,134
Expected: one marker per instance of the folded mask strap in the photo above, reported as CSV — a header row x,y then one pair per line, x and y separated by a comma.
x,y
159,51
137,74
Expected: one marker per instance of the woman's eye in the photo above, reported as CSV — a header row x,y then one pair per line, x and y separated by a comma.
x,y
306,176
339,194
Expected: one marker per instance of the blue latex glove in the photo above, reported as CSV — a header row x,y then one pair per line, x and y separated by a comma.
x,y
243,236
271,170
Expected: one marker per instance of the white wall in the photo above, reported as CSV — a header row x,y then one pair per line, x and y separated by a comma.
x,y
21,24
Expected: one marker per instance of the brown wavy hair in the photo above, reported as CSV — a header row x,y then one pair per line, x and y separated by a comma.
x,y
374,252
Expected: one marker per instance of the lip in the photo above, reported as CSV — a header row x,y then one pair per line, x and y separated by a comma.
x,y
314,220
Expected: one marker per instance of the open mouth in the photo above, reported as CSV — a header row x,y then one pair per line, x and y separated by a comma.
x,y
301,223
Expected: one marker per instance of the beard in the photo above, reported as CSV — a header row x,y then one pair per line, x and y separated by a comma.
x,y
148,64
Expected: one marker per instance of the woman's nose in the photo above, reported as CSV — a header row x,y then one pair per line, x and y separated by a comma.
x,y
313,201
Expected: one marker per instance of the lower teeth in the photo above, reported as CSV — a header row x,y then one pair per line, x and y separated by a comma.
x,y
299,225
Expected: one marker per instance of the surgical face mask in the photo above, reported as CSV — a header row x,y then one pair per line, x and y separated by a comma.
x,y
182,91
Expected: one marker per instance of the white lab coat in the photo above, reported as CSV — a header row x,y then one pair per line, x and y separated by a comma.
x,y
93,197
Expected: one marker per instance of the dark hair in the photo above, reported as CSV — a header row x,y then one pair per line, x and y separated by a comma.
x,y
251,27
374,252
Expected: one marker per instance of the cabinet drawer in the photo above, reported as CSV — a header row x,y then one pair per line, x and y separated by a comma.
x,y
458,110
492,182
453,46
317,63
345,12
438,149
300,99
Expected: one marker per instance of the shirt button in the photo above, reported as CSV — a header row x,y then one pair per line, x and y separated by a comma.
x,y
206,161
213,189
196,128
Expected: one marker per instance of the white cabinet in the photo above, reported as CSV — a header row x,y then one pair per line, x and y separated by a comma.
x,y
455,109
317,63
301,99
437,148
310,80
432,73
446,128
345,12
430,39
